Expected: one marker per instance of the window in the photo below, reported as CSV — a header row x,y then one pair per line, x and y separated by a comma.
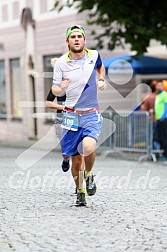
x,y
29,3
43,6
15,10
2,90
15,87
4,13
48,75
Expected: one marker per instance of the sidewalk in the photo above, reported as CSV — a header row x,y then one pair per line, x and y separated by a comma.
x,y
27,144
17,144
100,151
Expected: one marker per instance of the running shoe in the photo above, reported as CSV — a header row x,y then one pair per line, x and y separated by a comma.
x,y
91,187
65,165
81,201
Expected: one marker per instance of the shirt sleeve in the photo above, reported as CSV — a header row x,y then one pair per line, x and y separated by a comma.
x,y
57,74
164,115
98,62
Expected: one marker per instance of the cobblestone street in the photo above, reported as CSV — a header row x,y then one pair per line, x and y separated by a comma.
x,y
37,211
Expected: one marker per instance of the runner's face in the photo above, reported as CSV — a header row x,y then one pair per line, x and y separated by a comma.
x,y
76,42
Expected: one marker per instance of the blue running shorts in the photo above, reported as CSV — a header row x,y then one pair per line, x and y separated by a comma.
x,y
89,125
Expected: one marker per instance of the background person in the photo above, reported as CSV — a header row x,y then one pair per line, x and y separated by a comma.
x,y
148,105
161,116
59,106
51,103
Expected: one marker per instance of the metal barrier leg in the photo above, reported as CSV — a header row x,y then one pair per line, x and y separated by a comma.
x,y
152,156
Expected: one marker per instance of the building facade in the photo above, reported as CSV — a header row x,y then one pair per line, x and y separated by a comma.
x,y
31,33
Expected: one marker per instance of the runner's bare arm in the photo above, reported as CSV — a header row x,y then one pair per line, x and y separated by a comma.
x,y
54,105
101,71
101,74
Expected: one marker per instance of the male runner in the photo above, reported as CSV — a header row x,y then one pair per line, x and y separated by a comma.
x,y
75,75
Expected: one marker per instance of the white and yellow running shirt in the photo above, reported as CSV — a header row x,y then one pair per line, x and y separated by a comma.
x,y
82,90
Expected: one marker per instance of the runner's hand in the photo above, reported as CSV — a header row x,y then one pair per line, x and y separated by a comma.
x,y
101,85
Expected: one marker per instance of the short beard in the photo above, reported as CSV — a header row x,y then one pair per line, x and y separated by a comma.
x,y
79,50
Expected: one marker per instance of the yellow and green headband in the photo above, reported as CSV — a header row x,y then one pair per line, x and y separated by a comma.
x,y
75,28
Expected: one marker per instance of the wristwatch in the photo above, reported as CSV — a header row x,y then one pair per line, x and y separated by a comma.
x,y
101,79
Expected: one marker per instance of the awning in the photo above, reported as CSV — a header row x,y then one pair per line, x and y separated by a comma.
x,y
140,64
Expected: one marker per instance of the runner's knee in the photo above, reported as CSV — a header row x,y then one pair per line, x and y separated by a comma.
x,y
89,147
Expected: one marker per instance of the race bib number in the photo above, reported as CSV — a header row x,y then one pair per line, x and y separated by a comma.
x,y
70,122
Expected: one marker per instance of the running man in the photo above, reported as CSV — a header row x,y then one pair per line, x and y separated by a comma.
x,y
75,75
59,106
50,103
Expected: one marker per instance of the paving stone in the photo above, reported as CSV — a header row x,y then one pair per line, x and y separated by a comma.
x,y
37,211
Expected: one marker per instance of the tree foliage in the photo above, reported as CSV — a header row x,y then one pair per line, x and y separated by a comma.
x,y
130,21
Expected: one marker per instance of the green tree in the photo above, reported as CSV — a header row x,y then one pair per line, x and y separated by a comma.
x,y
129,21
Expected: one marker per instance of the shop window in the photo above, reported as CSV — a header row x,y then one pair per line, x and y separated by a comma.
x,y
29,3
2,91
15,88
4,13
43,6
15,8
48,77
